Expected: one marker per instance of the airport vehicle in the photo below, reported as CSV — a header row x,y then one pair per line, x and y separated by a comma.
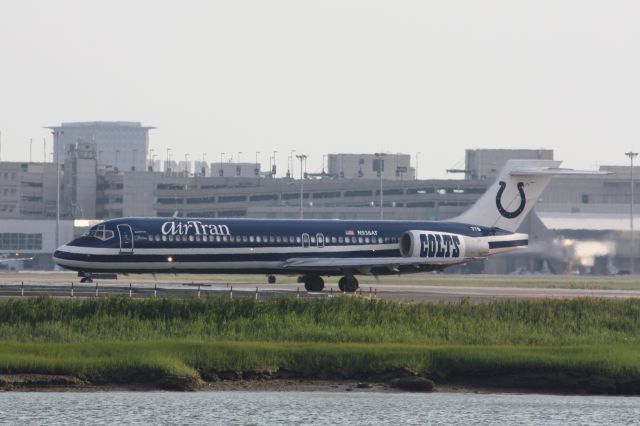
x,y
316,248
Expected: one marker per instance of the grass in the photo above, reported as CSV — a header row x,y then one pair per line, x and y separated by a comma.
x,y
330,320
179,364
569,345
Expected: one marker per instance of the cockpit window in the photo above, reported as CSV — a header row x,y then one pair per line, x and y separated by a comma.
x,y
100,233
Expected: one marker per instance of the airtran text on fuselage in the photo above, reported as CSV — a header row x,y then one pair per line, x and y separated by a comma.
x,y
194,227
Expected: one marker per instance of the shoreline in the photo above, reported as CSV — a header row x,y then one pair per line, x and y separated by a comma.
x,y
69,383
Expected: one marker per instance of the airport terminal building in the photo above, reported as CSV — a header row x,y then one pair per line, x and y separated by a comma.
x,y
573,215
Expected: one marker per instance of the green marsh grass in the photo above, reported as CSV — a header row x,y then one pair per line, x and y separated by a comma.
x,y
334,320
171,343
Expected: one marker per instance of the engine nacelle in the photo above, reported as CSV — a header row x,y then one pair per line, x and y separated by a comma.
x,y
441,246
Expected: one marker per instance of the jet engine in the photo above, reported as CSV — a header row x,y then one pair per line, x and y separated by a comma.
x,y
441,246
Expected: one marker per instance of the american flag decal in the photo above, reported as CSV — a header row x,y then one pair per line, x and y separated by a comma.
x,y
349,232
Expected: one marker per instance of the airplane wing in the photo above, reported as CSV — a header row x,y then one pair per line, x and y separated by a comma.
x,y
362,264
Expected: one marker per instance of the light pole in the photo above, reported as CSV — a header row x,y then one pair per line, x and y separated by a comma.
x,y
30,146
631,156
417,158
56,134
116,165
274,168
290,164
380,168
256,171
239,154
166,168
133,160
152,155
186,164
302,159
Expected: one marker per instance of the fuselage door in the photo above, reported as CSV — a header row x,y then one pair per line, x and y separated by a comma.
x,y
306,241
126,239
320,240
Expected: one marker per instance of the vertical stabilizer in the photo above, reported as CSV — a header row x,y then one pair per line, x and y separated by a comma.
x,y
510,198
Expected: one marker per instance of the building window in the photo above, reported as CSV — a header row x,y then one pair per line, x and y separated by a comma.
x,y
20,241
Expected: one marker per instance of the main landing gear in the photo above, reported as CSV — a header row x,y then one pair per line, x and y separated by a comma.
x,y
348,284
315,283
271,279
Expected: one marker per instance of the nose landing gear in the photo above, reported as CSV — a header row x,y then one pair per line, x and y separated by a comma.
x,y
86,277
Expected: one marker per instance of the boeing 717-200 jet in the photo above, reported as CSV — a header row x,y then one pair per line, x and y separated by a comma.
x,y
316,248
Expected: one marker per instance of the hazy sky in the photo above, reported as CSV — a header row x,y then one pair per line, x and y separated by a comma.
x,y
329,76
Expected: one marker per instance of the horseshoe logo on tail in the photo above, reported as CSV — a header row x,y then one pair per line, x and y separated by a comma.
x,y
516,212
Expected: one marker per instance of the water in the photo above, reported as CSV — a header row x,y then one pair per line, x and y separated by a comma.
x,y
268,408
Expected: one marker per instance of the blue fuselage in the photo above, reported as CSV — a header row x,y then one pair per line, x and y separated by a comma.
x,y
241,245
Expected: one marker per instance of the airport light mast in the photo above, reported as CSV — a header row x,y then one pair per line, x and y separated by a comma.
x,y
631,156
302,159
380,168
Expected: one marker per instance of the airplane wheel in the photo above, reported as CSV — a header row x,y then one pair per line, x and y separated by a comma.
x,y
86,280
348,284
313,283
271,279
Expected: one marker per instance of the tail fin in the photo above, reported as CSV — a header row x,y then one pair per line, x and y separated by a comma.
x,y
509,199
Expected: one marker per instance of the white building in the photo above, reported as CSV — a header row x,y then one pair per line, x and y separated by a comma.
x,y
119,144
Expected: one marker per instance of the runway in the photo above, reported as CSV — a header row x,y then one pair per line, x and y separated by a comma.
x,y
399,292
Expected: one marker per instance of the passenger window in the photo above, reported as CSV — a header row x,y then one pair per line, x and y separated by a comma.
x,y
252,238
158,238
238,238
333,240
258,239
340,240
191,238
359,240
278,239
272,239
244,239
347,240
285,239
387,240
164,238
313,239
170,237
367,240
205,238
298,240
379,240
224,238
198,238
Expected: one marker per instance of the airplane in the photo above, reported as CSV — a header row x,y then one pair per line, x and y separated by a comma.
x,y
314,249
